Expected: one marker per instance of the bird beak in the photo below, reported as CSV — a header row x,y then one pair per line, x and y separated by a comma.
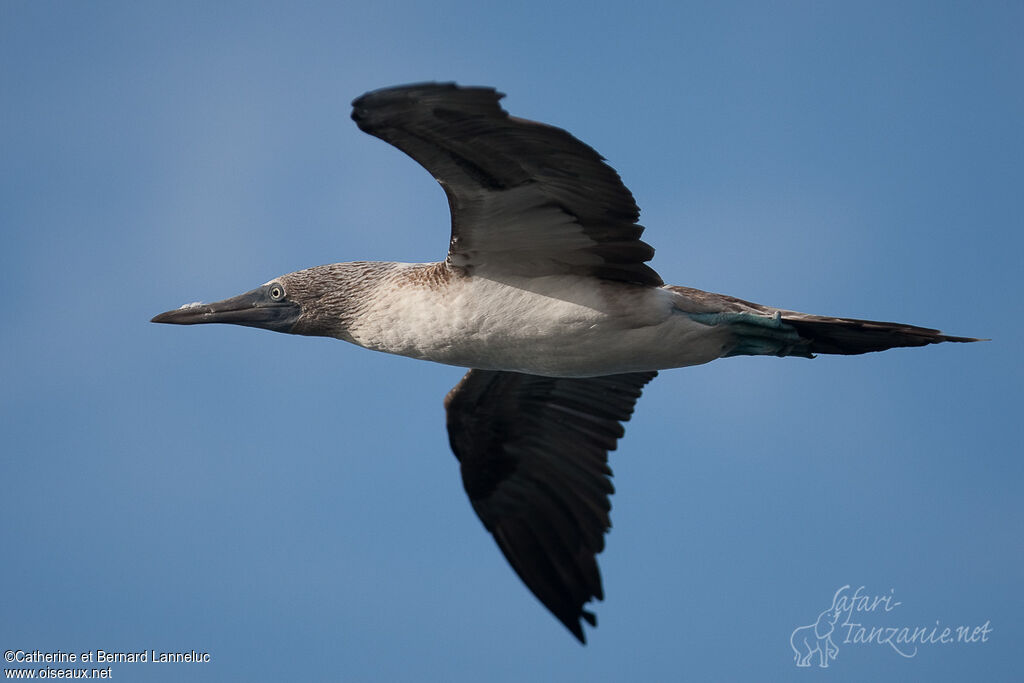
x,y
252,309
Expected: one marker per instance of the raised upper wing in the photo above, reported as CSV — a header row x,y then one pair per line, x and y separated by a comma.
x,y
534,460
525,198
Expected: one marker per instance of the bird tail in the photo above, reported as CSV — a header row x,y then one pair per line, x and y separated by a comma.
x,y
849,336
765,331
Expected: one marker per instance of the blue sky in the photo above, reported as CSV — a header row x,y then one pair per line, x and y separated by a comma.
x,y
290,505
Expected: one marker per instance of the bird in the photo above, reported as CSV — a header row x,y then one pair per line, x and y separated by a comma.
x,y
546,296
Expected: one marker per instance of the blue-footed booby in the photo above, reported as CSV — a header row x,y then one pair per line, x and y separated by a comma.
x,y
546,296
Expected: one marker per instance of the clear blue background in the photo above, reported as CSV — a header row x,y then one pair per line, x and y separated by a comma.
x,y
290,505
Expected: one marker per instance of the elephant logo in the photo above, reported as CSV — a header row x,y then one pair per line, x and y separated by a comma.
x,y
816,637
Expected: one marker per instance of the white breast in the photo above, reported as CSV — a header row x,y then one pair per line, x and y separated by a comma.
x,y
554,325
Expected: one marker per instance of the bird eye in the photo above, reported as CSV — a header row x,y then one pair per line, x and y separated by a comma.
x,y
276,292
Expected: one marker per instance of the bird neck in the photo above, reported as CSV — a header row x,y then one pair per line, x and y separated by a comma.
x,y
335,297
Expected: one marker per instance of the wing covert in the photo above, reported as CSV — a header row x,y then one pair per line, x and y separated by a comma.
x,y
525,197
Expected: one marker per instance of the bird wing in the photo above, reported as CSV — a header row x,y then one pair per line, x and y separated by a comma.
x,y
525,198
534,460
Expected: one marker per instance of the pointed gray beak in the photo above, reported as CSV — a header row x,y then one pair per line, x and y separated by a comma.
x,y
252,309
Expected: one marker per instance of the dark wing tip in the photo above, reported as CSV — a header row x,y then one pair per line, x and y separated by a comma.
x,y
376,107
575,626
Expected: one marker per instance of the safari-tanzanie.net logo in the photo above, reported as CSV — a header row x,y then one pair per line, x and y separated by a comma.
x,y
857,618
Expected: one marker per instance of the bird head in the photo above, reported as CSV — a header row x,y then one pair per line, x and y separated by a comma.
x,y
316,301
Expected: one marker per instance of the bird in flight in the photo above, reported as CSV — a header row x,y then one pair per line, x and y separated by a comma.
x,y
546,296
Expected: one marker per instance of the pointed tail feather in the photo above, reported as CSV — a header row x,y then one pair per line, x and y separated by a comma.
x,y
764,330
849,336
